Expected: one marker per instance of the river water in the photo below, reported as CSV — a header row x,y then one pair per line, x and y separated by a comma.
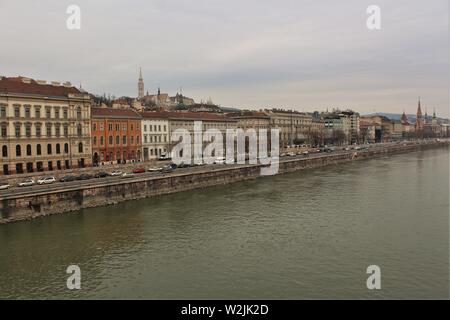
x,y
303,235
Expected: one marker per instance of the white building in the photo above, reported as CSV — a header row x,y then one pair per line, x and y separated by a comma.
x,y
155,134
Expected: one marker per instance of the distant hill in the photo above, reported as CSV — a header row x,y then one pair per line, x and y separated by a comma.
x,y
398,116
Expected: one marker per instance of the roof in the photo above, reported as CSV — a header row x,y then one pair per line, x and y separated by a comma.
x,y
249,114
127,113
23,85
207,116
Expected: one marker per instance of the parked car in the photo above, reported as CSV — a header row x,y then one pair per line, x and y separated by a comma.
x,y
68,179
46,180
154,169
305,153
4,186
116,173
101,174
168,168
127,175
27,182
283,155
138,170
290,154
85,176
219,160
164,156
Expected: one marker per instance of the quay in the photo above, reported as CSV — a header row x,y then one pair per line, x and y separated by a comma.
x,y
18,204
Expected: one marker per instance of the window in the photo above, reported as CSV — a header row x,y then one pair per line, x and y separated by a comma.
x,y
132,139
17,130
4,130
94,127
80,147
79,113
165,128
48,112
66,130
49,148
66,149
101,126
57,129
94,141
58,148
38,150
48,126
3,111
124,140
27,112
124,127
79,130
159,128
17,111
101,140
18,150
65,113
117,127
28,130
117,140
110,140
151,128
38,129
110,127
145,139
28,149
4,151
145,127
37,112
57,113
131,127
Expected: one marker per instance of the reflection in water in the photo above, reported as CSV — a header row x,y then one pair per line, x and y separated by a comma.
x,y
302,235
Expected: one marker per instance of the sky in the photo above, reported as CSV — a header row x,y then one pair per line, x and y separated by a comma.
x,y
295,54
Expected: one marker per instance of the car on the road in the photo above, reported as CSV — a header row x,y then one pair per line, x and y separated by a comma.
x,y
85,176
68,179
219,160
283,155
46,180
138,170
101,174
116,173
168,168
305,153
290,154
27,182
4,186
127,175
154,169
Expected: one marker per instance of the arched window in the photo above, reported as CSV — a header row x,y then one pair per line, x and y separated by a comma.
x,y
58,148
66,148
38,150
117,140
5,151
18,150
79,130
80,147
49,148
28,149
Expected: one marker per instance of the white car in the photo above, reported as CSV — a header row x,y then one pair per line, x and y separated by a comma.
x,y
290,154
116,173
27,183
219,160
153,169
127,175
46,180
4,186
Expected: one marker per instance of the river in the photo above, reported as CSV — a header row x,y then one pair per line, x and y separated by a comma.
x,y
304,235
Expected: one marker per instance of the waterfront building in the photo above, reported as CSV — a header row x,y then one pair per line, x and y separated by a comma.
x,y
44,126
116,135
354,125
337,127
382,127
294,126
155,134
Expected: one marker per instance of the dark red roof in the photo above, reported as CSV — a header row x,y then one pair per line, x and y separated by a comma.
x,y
113,113
17,85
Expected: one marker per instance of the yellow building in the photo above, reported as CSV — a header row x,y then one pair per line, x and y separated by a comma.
x,y
44,126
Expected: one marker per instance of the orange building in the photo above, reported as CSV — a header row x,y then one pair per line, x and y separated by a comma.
x,y
116,135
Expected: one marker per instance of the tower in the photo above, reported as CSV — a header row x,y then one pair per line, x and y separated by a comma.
x,y
419,121
140,85
404,118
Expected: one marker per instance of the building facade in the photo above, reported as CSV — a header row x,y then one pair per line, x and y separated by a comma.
x,y
44,126
155,134
116,135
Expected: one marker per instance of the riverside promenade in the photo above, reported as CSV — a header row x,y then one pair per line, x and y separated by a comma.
x,y
36,201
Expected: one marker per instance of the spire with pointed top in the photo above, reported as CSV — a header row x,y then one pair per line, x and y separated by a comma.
x,y
419,110
140,85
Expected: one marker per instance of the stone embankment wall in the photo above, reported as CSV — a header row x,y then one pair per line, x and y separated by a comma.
x,y
16,207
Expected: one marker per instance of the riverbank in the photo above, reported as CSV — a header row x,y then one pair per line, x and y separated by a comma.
x,y
24,205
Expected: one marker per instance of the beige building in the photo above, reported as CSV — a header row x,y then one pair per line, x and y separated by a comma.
x,y
44,126
294,126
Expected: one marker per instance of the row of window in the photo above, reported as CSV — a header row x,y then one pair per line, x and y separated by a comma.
x,y
38,130
112,126
155,128
29,166
37,112
117,140
154,138
28,149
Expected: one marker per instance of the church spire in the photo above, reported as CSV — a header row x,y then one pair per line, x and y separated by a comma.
x,y
140,85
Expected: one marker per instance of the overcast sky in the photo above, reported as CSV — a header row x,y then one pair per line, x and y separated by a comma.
x,y
301,54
